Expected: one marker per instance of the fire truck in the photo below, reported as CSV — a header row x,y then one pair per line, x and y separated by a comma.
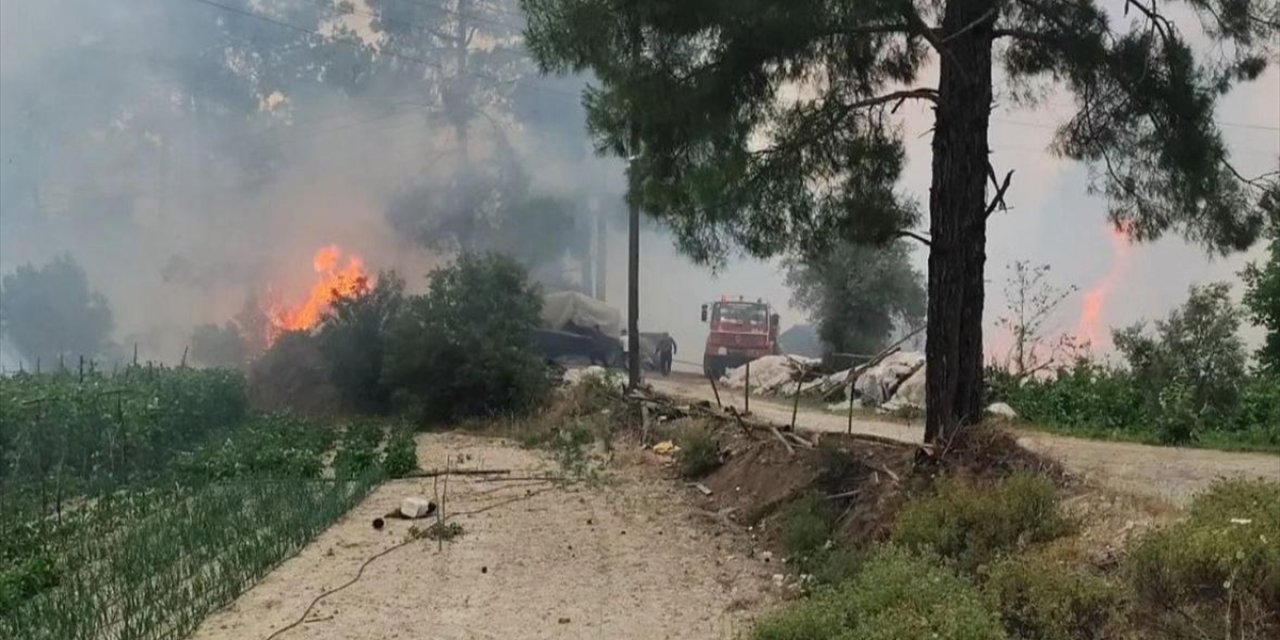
x,y
741,331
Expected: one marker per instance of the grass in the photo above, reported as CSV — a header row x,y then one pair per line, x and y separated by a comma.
x,y
699,451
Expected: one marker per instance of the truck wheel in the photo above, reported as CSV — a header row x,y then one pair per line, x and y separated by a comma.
x,y
712,368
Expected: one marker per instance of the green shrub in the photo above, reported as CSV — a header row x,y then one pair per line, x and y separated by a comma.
x,y
895,596
400,455
973,524
1221,563
1039,599
465,348
699,451
358,451
806,527
353,339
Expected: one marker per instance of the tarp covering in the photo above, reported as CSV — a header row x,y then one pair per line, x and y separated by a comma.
x,y
562,308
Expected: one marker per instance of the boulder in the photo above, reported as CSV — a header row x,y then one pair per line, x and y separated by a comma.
x,y
1001,410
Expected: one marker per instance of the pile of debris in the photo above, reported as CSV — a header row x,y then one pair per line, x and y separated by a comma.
x,y
892,381
774,375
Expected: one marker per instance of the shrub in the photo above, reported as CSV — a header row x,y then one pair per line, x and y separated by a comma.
x,y
974,524
895,596
358,452
353,339
464,348
1039,599
400,455
699,452
806,527
1221,565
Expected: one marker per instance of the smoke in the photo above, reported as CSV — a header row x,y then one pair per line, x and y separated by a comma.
x,y
188,157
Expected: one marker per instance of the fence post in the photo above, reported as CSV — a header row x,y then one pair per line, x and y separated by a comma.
x,y
746,391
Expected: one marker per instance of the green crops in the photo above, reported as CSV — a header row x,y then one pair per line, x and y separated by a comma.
x,y
132,506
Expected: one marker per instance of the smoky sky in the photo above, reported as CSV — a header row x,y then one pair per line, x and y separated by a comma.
x,y
184,173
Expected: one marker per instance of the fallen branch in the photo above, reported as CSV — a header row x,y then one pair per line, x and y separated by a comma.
x,y
433,473
778,434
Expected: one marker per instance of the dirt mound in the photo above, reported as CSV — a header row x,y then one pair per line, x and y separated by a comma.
x,y
866,480
985,451
293,375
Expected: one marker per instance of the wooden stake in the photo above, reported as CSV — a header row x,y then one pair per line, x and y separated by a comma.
x,y
746,391
795,406
715,390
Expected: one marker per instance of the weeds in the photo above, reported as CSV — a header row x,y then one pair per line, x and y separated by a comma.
x,y
896,595
974,525
1040,599
1219,568
699,451
439,531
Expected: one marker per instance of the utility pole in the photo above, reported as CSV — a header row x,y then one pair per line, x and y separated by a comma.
x,y
633,263
602,252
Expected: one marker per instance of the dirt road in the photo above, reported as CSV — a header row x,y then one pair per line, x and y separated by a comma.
x,y
629,559
1165,472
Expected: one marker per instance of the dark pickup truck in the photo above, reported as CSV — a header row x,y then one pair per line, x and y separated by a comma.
x,y
595,348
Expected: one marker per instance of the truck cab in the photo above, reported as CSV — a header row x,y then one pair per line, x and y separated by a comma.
x,y
740,331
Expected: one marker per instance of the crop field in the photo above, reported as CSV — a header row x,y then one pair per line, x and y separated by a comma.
x,y
133,505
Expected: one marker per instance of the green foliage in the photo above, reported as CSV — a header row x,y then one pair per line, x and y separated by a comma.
x,y
699,451
806,527
896,596
1262,300
278,446
49,312
975,525
1040,599
400,454
464,349
149,499
858,294
353,338
57,429
215,346
1185,384
357,452
1219,566
1197,346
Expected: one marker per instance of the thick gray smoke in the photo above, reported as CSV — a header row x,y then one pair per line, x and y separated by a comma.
x,y
187,155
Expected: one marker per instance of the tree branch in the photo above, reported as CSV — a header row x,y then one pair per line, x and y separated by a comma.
x,y
923,93
980,19
998,199
914,236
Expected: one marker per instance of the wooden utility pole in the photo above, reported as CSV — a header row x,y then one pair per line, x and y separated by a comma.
x,y
602,253
633,264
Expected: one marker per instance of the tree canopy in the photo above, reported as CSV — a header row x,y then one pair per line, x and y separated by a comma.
x,y
1262,300
767,124
49,312
858,294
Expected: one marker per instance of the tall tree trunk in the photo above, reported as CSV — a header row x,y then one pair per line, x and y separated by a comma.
x,y
957,221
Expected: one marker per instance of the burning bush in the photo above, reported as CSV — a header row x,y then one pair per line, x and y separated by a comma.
x,y
465,348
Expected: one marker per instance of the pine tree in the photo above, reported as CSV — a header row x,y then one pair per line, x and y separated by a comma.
x,y
765,124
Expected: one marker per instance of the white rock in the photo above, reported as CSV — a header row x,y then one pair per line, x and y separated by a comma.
x,y
415,507
1002,410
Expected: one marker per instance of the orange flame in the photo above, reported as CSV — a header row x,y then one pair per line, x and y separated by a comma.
x,y
336,278
1095,298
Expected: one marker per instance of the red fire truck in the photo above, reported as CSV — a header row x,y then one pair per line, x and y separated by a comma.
x,y
741,331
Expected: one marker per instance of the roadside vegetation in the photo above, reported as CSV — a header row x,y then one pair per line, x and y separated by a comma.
x,y
969,559
1186,381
